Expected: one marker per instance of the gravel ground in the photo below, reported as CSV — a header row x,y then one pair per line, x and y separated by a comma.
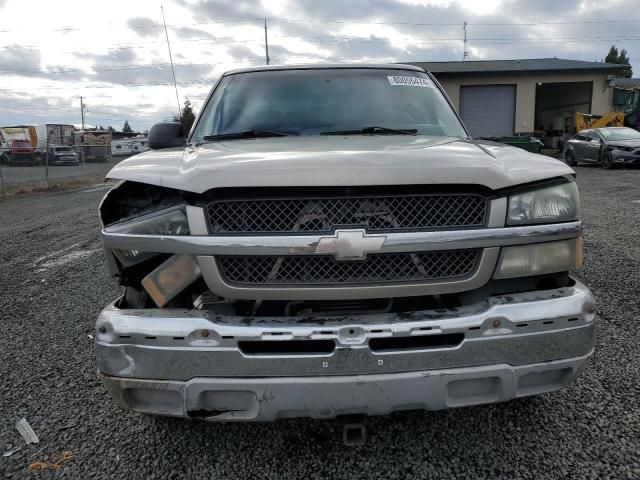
x,y
53,286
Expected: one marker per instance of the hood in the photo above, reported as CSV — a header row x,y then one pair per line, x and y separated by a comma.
x,y
354,160
624,143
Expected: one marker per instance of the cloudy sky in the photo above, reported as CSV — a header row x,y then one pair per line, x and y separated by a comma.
x,y
114,53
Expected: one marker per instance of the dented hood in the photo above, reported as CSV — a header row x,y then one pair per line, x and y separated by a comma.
x,y
338,161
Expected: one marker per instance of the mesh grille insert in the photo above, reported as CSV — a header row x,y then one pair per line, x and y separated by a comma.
x,y
324,270
375,213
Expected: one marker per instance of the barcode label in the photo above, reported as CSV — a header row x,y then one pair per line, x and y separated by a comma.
x,y
410,81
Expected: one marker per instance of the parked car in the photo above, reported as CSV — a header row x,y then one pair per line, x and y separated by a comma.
x,y
607,146
62,155
331,241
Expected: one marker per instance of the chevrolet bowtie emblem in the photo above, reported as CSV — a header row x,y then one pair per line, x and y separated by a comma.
x,y
350,244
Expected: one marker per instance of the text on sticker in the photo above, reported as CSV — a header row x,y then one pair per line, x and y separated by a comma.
x,y
410,81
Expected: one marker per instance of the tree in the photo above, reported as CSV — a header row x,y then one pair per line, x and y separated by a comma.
x,y
620,58
126,128
187,118
111,129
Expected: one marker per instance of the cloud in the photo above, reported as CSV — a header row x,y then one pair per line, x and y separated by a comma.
x,y
225,10
145,27
153,74
191,33
17,58
210,36
115,56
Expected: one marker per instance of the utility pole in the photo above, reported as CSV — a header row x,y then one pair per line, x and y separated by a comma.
x,y
173,72
82,111
465,54
266,42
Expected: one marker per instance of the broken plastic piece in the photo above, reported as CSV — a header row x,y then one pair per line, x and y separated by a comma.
x,y
10,452
26,431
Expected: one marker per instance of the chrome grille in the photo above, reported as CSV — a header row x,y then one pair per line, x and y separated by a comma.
x,y
374,213
324,270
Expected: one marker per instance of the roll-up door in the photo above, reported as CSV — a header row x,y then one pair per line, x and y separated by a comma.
x,y
488,110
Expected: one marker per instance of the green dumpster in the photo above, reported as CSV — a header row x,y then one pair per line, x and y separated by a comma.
x,y
530,144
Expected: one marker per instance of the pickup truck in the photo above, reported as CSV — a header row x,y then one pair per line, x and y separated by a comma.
x,y
328,240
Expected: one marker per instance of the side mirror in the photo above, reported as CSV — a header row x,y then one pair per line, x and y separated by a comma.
x,y
166,135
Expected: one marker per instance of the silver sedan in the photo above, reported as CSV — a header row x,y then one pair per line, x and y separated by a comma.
x,y
607,146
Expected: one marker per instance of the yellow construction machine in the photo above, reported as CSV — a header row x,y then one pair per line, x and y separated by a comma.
x,y
611,119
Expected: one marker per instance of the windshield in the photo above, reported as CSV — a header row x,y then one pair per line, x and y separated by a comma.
x,y
323,101
620,133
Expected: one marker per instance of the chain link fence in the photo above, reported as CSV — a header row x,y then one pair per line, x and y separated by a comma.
x,y
26,170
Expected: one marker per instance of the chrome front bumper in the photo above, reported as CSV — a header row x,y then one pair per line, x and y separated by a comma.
x,y
190,363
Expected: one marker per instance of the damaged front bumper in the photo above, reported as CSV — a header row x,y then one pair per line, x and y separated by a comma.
x,y
199,364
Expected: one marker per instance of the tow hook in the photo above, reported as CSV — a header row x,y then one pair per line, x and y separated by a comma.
x,y
354,433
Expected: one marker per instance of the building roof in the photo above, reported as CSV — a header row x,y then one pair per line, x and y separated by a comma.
x,y
525,65
626,83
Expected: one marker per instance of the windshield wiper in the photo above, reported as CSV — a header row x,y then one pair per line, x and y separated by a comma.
x,y
247,134
374,131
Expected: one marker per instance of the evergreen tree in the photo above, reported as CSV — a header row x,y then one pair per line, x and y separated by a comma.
x,y
188,117
619,57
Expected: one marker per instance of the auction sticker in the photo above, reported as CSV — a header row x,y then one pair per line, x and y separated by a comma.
x,y
410,81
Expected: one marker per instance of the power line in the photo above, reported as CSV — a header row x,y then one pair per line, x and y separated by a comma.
x,y
208,81
330,39
125,46
125,117
124,67
457,24
259,20
73,109
139,27
432,41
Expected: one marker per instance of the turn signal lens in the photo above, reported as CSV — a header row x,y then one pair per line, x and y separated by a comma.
x,y
171,278
538,259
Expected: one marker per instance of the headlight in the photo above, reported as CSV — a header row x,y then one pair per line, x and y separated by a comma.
x,y
170,221
559,203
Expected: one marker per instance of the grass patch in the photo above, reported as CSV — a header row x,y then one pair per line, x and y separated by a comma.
x,y
55,185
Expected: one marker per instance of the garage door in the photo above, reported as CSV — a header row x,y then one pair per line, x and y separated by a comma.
x,y
488,110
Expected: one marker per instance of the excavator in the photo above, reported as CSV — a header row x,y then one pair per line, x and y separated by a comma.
x,y
626,96
584,121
